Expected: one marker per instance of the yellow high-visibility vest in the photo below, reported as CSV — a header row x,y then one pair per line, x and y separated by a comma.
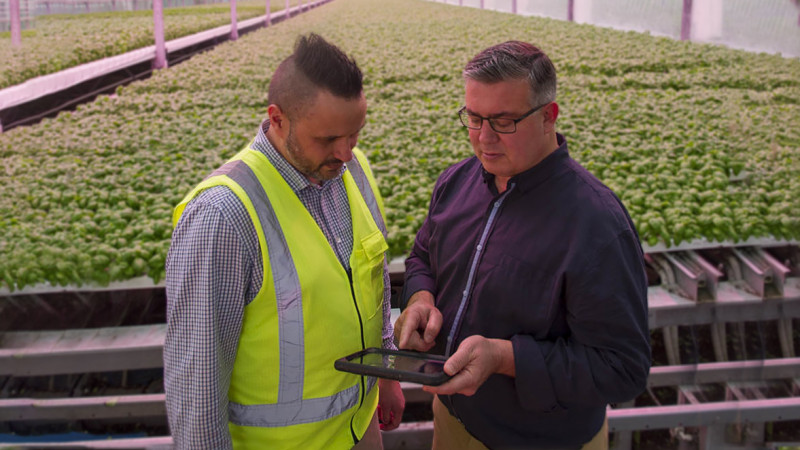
x,y
284,391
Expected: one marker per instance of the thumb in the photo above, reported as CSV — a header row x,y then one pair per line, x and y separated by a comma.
x,y
455,363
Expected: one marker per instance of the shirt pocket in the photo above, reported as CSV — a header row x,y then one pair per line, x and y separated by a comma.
x,y
374,247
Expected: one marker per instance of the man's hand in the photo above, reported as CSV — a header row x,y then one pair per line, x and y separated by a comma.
x,y
420,316
473,362
391,404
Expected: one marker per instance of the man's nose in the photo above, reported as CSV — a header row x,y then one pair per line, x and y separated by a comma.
x,y
343,151
486,132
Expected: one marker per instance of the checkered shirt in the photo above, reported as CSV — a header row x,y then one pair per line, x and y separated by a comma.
x,y
214,269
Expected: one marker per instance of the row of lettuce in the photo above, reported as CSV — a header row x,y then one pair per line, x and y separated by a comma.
x,y
61,41
700,142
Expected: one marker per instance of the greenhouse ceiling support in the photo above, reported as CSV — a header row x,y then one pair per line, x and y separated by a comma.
x,y
160,61
16,23
234,27
686,20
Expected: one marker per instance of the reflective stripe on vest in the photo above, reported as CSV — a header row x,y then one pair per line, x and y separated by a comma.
x,y
291,407
366,191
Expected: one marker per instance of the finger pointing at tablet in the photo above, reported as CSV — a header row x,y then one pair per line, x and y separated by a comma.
x,y
419,324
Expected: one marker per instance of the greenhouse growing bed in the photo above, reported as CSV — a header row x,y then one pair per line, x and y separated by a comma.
x,y
61,41
699,141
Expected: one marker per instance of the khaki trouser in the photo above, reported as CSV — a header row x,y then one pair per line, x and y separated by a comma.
x,y
450,434
372,439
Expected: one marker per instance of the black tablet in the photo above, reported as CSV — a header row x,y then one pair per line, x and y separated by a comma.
x,y
398,365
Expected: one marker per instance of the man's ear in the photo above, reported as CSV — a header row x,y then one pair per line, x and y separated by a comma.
x,y
550,115
278,122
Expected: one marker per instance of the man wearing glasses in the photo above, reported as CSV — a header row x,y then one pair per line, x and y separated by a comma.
x,y
527,273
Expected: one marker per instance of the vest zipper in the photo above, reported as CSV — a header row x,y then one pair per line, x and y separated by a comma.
x,y
363,393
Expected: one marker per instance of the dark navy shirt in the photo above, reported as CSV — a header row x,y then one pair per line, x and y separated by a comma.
x,y
553,264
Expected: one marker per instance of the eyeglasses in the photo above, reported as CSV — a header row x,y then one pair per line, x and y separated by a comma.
x,y
503,125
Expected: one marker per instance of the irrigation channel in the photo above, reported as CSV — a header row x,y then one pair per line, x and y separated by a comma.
x,y
85,364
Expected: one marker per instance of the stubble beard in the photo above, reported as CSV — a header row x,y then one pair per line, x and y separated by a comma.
x,y
302,164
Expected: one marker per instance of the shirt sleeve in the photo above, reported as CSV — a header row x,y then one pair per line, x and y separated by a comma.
x,y
606,357
418,272
208,273
419,276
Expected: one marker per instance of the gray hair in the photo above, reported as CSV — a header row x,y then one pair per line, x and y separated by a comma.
x,y
515,60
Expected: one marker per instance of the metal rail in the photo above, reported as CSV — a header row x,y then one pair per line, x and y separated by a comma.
x,y
32,353
721,372
29,353
668,309
148,443
117,406
704,414
419,434
81,408
623,419
77,408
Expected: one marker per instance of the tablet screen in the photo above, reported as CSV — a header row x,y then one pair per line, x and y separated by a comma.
x,y
401,365
401,362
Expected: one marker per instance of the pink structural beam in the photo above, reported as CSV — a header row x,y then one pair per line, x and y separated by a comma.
x,y
686,20
160,61
268,20
234,27
16,23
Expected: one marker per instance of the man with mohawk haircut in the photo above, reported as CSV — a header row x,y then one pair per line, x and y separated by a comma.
x,y
277,267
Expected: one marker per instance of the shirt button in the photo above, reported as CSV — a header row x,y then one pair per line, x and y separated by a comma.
x,y
480,246
338,240
497,204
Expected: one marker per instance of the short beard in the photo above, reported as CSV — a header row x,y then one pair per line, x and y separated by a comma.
x,y
302,164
